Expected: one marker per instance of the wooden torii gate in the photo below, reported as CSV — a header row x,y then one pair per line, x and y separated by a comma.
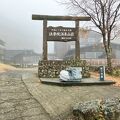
x,y
62,34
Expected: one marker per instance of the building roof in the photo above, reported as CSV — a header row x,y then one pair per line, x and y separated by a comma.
x,y
2,43
12,53
93,48
27,53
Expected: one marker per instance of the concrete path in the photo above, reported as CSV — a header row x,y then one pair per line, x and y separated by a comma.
x,y
16,102
58,101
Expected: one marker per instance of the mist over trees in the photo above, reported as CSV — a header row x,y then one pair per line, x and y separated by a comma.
x,y
2,43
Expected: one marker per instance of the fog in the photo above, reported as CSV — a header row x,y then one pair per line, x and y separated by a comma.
x,y
16,26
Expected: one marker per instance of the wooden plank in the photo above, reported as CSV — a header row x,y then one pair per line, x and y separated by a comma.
x,y
45,40
77,43
60,18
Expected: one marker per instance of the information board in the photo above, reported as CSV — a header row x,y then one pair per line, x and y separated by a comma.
x,y
62,34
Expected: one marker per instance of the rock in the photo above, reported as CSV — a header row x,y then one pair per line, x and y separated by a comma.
x,y
101,109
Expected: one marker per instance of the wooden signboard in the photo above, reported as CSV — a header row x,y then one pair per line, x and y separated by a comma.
x,y
61,34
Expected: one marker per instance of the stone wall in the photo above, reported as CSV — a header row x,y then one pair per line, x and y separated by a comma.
x,y
51,69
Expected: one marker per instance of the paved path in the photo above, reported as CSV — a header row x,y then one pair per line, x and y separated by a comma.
x,y
23,97
58,101
16,103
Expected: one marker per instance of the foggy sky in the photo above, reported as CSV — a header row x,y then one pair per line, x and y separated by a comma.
x,y
18,29
16,26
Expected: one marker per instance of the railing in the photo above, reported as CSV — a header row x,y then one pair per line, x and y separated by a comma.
x,y
98,62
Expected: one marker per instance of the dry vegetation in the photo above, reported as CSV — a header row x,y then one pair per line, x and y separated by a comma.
x,y
4,67
107,77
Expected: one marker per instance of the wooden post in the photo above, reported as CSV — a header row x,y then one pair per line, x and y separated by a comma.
x,y
77,43
45,39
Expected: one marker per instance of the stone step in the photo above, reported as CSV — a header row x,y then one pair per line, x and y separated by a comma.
x,y
83,82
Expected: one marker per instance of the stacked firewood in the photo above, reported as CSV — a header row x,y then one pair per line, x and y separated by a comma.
x,y
51,68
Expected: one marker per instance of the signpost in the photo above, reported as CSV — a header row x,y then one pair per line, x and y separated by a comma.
x,y
61,34
102,73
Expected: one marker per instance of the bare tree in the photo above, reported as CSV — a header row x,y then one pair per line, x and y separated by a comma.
x,y
105,14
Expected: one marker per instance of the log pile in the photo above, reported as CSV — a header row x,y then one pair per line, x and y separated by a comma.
x,y
52,68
